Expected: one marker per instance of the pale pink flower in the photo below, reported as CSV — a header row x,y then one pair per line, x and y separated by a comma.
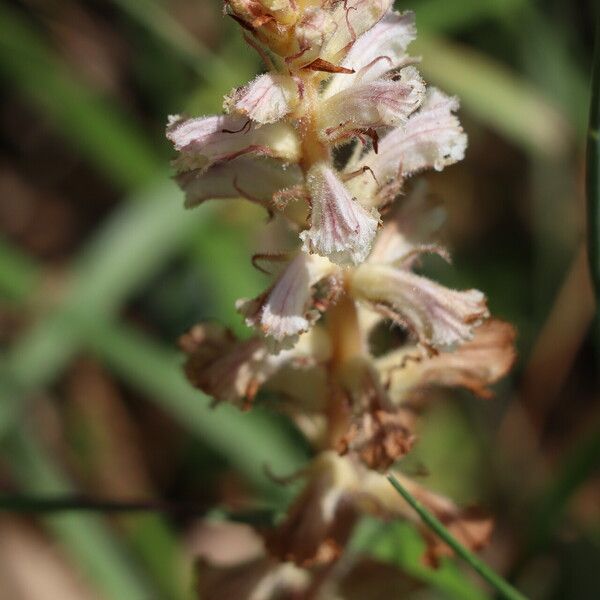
x,y
205,141
340,228
431,139
255,178
267,99
337,71
287,309
371,104
378,51
439,317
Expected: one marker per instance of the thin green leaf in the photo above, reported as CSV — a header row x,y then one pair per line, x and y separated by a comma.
x,y
137,239
401,545
160,551
593,170
114,264
547,55
18,274
500,585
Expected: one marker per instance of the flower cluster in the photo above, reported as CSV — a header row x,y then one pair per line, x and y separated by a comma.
x,y
325,140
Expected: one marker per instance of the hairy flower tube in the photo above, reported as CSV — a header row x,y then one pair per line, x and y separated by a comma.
x,y
326,140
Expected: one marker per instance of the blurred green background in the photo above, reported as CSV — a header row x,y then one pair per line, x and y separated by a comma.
x,y
101,270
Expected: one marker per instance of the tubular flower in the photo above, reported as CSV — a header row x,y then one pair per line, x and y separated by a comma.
x,y
327,138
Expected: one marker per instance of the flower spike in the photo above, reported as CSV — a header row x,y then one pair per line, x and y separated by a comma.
x,y
327,138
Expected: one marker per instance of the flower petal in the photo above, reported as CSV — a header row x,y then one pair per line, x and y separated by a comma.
x,y
380,49
267,99
205,141
255,178
470,526
431,138
226,369
474,365
321,519
341,229
284,311
353,18
372,104
439,316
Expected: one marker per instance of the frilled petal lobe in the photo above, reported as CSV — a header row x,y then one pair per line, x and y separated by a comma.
x,y
431,138
267,99
380,49
340,228
205,141
439,316
353,18
372,104
225,368
254,178
285,310
474,365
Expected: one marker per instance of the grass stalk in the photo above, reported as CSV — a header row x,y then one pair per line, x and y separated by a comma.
x,y
504,588
593,169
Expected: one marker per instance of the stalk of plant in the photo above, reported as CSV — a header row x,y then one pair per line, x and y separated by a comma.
x,y
328,140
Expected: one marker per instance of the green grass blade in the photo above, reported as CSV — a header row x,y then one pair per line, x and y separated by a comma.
x,y
158,548
250,441
593,170
18,275
102,132
549,64
506,590
111,268
401,545
115,264
137,239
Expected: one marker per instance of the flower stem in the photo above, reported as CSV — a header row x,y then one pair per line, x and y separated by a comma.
x,y
344,332
500,585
